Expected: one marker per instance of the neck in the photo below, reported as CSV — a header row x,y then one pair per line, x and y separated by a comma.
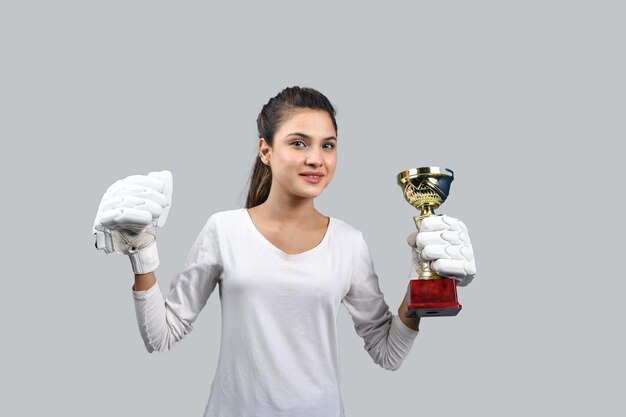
x,y
288,209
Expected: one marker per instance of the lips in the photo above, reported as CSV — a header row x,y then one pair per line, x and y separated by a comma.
x,y
312,177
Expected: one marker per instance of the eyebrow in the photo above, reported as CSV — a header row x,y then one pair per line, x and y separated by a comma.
x,y
307,136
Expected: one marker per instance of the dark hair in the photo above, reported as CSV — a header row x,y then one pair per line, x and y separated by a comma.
x,y
273,114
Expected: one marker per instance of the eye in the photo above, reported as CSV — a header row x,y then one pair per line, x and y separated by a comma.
x,y
297,141
332,145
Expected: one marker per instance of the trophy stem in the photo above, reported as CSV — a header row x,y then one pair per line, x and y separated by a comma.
x,y
427,210
424,266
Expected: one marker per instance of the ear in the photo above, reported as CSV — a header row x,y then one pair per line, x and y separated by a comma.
x,y
264,149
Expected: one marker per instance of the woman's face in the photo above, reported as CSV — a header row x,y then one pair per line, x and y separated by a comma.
x,y
305,143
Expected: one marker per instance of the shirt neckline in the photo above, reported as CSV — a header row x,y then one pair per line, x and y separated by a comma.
x,y
279,251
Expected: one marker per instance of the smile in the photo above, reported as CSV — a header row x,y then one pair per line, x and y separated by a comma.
x,y
312,178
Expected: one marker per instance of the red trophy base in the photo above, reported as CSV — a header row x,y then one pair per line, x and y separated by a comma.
x,y
432,297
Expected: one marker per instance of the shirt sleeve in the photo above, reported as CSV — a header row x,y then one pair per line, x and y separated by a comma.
x,y
163,322
387,339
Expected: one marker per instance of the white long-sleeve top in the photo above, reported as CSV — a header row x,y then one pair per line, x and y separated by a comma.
x,y
278,353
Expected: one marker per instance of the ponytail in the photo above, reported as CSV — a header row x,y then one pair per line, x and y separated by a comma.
x,y
260,183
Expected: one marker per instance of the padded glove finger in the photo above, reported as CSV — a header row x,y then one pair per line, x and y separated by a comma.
x,y
454,237
429,238
167,180
146,181
440,222
127,203
454,268
138,191
131,219
446,237
434,252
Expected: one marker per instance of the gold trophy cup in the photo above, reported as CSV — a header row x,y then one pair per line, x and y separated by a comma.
x,y
426,189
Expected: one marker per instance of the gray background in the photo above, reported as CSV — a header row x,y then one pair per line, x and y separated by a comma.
x,y
525,101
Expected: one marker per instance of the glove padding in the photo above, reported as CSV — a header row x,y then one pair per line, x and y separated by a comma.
x,y
129,213
444,241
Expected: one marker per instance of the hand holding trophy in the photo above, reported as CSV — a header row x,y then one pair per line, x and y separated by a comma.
x,y
442,252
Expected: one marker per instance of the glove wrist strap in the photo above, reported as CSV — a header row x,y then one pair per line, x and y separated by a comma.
x,y
145,260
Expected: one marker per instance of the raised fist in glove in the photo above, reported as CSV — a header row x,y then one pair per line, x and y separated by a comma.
x,y
129,213
444,242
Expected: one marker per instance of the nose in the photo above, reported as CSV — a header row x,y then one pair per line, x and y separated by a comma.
x,y
314,161
314,158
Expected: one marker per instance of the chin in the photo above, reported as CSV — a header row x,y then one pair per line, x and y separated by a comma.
x,y
309,195
306,192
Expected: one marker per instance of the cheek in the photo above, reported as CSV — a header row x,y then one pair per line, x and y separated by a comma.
x,y
331,162
284,162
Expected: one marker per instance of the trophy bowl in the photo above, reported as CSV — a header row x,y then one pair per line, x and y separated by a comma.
x,y
426,188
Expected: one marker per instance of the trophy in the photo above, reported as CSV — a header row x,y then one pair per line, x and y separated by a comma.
x,y
426,189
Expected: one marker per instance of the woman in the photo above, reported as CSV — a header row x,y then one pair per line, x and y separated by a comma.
x,y
282,267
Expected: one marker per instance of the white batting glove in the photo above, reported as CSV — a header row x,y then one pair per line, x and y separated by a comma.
x,y
129,213
444,241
